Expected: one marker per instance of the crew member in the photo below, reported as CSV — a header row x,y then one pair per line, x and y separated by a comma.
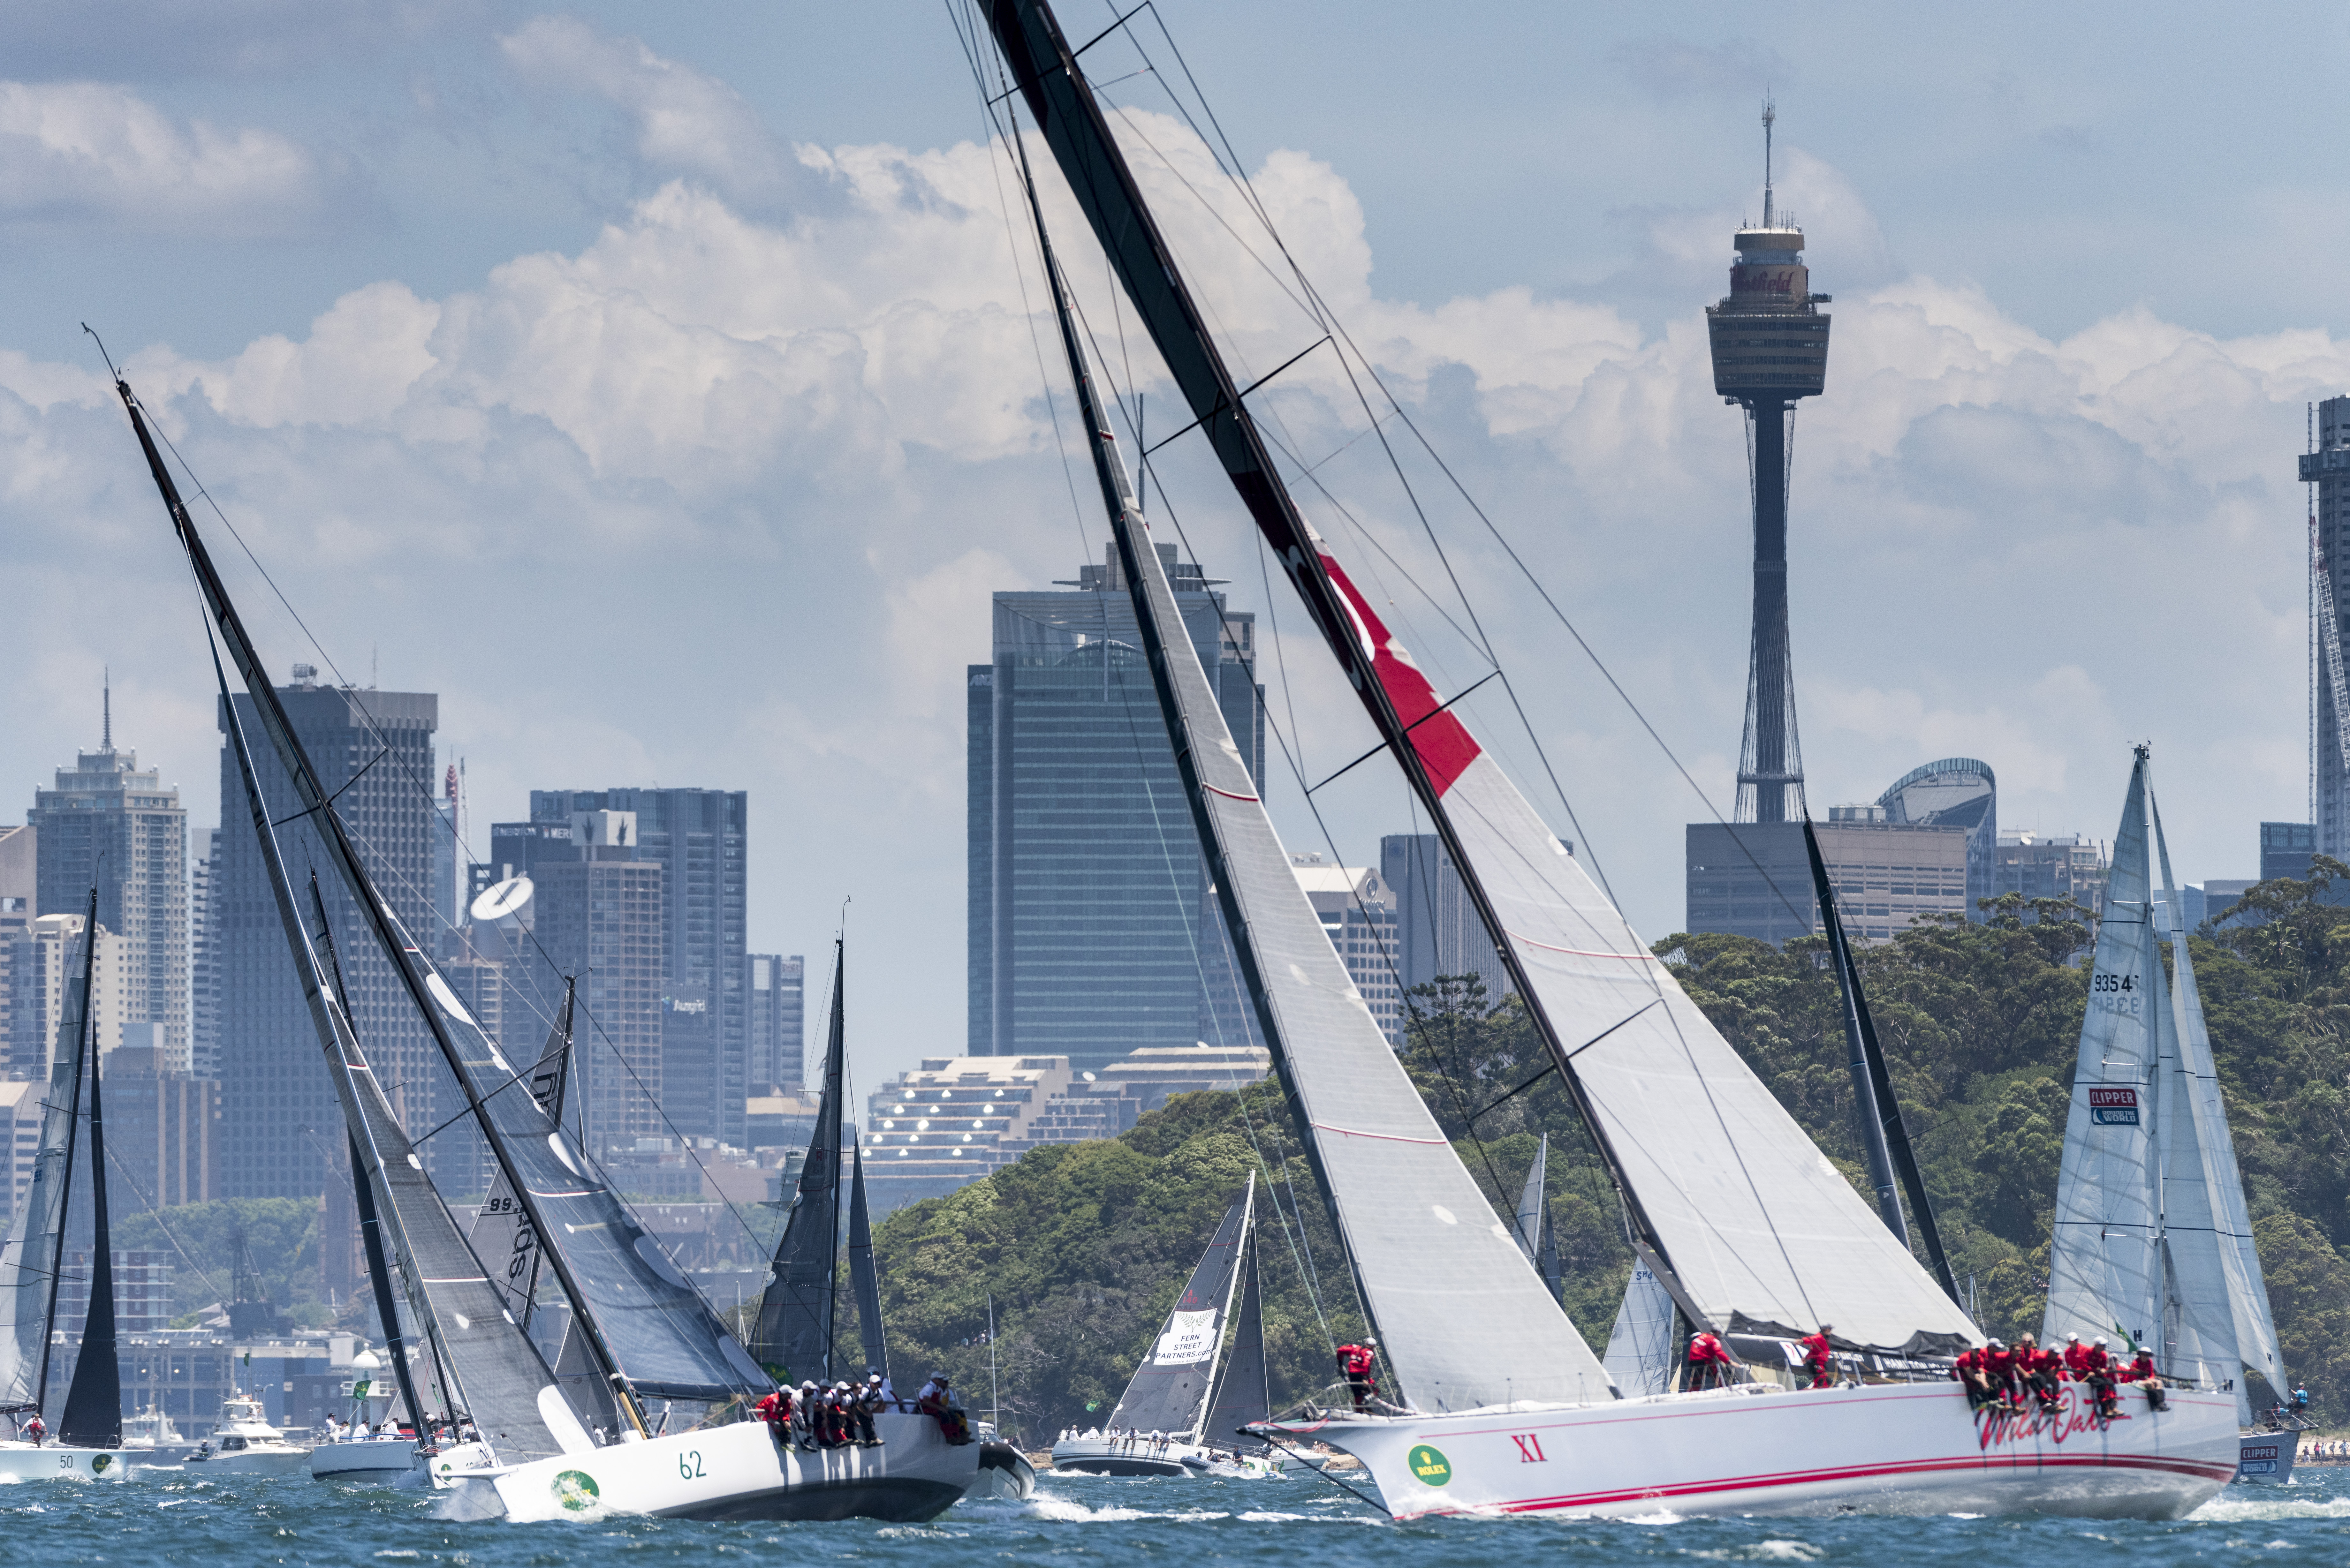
x,y
1820,1357
35,1429
1709,1361
2041,1370
1998,1372
932,1401
865,1403
2300,1400
2141,1371
811,1419
1354,1365
1970,1371
775,1410
2076,1358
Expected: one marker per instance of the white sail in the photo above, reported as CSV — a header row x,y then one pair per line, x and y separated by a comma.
x,y
1530,1203
1643,1349
2103,1276
1762,1230
2247,1296
34,1251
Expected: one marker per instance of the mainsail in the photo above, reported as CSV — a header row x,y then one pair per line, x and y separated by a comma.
x,y
33,1258
1419,1234
1169,1392
1745,1222
794,1337
502,1235
643,1320
1530,1206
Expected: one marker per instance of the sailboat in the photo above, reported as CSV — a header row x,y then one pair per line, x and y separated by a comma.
x,y
90,1427
2153,1243
1187,1393
528,1454
1745,1225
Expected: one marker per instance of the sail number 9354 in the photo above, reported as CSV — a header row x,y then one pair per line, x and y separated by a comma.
x,y
2104,982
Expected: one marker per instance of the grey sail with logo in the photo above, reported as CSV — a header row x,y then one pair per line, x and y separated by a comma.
x,y
1169,1392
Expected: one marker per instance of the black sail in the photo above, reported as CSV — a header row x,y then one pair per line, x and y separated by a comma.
x,y
1244,1392
794,1338
864,1274
93,1414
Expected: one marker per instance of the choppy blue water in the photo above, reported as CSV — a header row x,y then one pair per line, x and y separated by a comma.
x,y
166,1517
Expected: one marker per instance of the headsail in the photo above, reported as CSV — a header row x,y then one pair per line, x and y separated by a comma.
x,y
1169,1392
1244,1388
1530,1206
1743,1218
1643,1351
93,1413
2238,1259
864,1274
35,1257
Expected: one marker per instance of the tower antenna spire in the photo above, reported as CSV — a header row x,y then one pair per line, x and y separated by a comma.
x,y
106,709
1770,119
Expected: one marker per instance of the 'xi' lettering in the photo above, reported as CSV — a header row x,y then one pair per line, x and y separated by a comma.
x,y
1529,1448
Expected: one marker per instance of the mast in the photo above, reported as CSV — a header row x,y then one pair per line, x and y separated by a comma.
x,y
1063,104
407,960
93,1414
82,1036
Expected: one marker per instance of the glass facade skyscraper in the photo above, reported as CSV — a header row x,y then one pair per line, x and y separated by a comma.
x,y
1092,933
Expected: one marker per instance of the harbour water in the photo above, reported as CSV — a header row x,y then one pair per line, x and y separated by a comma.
x,y
173,1517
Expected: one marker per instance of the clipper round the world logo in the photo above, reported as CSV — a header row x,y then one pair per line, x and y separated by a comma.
x,y
2113,1107
1429,1466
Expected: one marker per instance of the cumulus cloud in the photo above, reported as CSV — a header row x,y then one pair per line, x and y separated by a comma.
x,y
686,121
728,488
90,151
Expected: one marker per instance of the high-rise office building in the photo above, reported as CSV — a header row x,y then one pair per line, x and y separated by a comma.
x,y
598,915
2286,850
203,966
19,899
1436,928
2060,866
44,965
111,826
450,891
2326,468
700,840
1358,911
280,1118
778,993
1087,890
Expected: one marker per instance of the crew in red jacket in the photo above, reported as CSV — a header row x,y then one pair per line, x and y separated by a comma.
x,y
1999,1369
1820,1357
1355,1363
1709,1362
2076,1358
1968,1369
2040,1371
2141,1372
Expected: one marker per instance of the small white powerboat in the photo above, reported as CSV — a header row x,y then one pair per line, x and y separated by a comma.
x,y
243,1441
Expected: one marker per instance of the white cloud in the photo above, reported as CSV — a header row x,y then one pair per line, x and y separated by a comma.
x,y
90,151
686,123
728,488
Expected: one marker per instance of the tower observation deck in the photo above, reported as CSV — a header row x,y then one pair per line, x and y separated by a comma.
x,y
1770,344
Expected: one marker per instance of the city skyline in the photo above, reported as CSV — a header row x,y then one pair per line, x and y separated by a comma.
x,y
2046,388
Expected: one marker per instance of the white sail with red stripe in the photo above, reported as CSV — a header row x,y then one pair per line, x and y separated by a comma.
x,y
1762,1230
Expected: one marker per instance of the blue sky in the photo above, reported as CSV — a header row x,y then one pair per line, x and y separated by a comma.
x,y
653,384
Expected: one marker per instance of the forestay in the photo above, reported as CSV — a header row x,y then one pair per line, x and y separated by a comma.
x,y
1169,1392
1761,1230
35,1246
2246,1311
